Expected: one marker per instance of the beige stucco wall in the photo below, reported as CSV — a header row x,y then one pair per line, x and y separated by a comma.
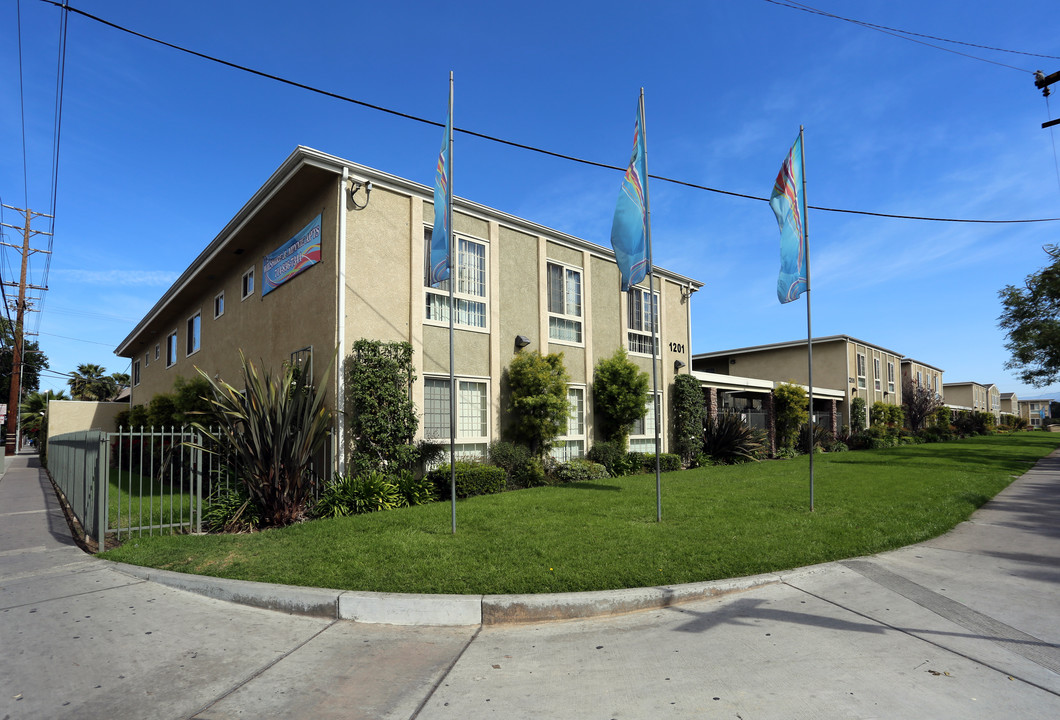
x,y
67,416
298,314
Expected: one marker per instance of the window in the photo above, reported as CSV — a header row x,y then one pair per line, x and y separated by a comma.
x,y
302,360
469,295
158,347
861,370
876,379
219,305
643,321
136,373
890,377
194,334
642,436
919,382
572,445
171,349
147,358
564,303
472,409
247,284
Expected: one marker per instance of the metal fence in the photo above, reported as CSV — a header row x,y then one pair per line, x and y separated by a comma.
x,y
144,481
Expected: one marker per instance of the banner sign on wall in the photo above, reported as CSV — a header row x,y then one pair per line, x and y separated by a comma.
x,y
292,257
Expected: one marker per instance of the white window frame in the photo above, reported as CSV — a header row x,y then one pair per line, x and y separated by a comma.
x,y
246,284
218,304
572,444
172,342
470,444
919,378
158,350
567,317
147,358
471,294
877,381
193,334
638,330
136,373
860,362
642,434
890,376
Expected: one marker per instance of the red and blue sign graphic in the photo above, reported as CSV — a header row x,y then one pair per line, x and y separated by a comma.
x,y
292,257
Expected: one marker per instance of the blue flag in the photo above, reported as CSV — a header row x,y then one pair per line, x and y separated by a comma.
x,y
440,252
629,227
787,206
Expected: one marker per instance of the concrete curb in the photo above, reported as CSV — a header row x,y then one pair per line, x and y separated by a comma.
x,y
443,610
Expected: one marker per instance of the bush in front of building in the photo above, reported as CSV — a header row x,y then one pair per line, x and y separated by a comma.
x,y
230,510
577,470
688,412
272,429
613,456
857,415
789,404
620,396
471,479
382,416
186,402
728,440
538,403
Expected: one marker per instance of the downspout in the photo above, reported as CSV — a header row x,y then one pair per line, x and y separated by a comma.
x,y
340,380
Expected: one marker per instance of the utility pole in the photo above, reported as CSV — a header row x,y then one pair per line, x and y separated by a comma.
x,y
1042,82
18,343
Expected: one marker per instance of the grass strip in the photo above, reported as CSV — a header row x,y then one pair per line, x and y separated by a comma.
x,y
718,522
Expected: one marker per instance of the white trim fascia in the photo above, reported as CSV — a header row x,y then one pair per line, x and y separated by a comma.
x,y
340,388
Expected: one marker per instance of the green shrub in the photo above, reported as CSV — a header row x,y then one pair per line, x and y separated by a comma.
x,y
413,490
577,470
669,462
705,460
822,437
640,462
688,414
356,494
471,479
529,474
857,415
230,510
789,413
787,453
837,446
515,460
612,455
728,440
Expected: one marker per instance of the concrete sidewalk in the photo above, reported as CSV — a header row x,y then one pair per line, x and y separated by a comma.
x,y
964,626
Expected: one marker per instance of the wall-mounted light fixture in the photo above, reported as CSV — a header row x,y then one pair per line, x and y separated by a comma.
x,y
854,390
732,361
357,185
521,341
678,364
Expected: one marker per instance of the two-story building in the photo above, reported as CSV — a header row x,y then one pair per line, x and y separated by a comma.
x,y
328,251
844,367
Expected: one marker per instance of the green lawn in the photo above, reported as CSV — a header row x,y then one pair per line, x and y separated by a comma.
x,y
717,523
136,500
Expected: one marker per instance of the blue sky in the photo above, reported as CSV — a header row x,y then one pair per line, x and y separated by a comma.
x,y
160,149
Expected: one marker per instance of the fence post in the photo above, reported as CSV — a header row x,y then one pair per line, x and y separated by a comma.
x,y
101,492
199,470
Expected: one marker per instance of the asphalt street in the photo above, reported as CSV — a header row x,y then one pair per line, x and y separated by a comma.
x,y
964,626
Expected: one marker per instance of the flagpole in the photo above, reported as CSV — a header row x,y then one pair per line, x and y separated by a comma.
x,y
654,318
452,282
809,331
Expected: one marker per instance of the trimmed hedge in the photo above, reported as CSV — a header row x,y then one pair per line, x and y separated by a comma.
x,y
471,479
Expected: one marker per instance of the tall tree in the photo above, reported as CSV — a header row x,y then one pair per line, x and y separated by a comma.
x,y
33,361
89,382
32,410
920,403
1031,317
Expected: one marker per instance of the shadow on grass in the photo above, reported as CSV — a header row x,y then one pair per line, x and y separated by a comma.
x,y
590,486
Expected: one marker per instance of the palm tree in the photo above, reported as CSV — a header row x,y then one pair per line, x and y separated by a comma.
x,y
32,413
89,382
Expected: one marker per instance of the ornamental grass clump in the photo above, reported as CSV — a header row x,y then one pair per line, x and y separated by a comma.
x,y
272,430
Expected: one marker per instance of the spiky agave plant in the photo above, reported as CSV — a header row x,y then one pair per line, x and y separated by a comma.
x,y
728,440
272,429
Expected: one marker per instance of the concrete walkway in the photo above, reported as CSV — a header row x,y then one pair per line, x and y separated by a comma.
x,y
965,626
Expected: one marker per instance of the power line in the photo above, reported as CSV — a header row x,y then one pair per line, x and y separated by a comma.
x,y
910,35
511,143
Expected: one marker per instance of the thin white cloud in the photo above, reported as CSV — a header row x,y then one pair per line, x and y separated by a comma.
x,y
118,278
